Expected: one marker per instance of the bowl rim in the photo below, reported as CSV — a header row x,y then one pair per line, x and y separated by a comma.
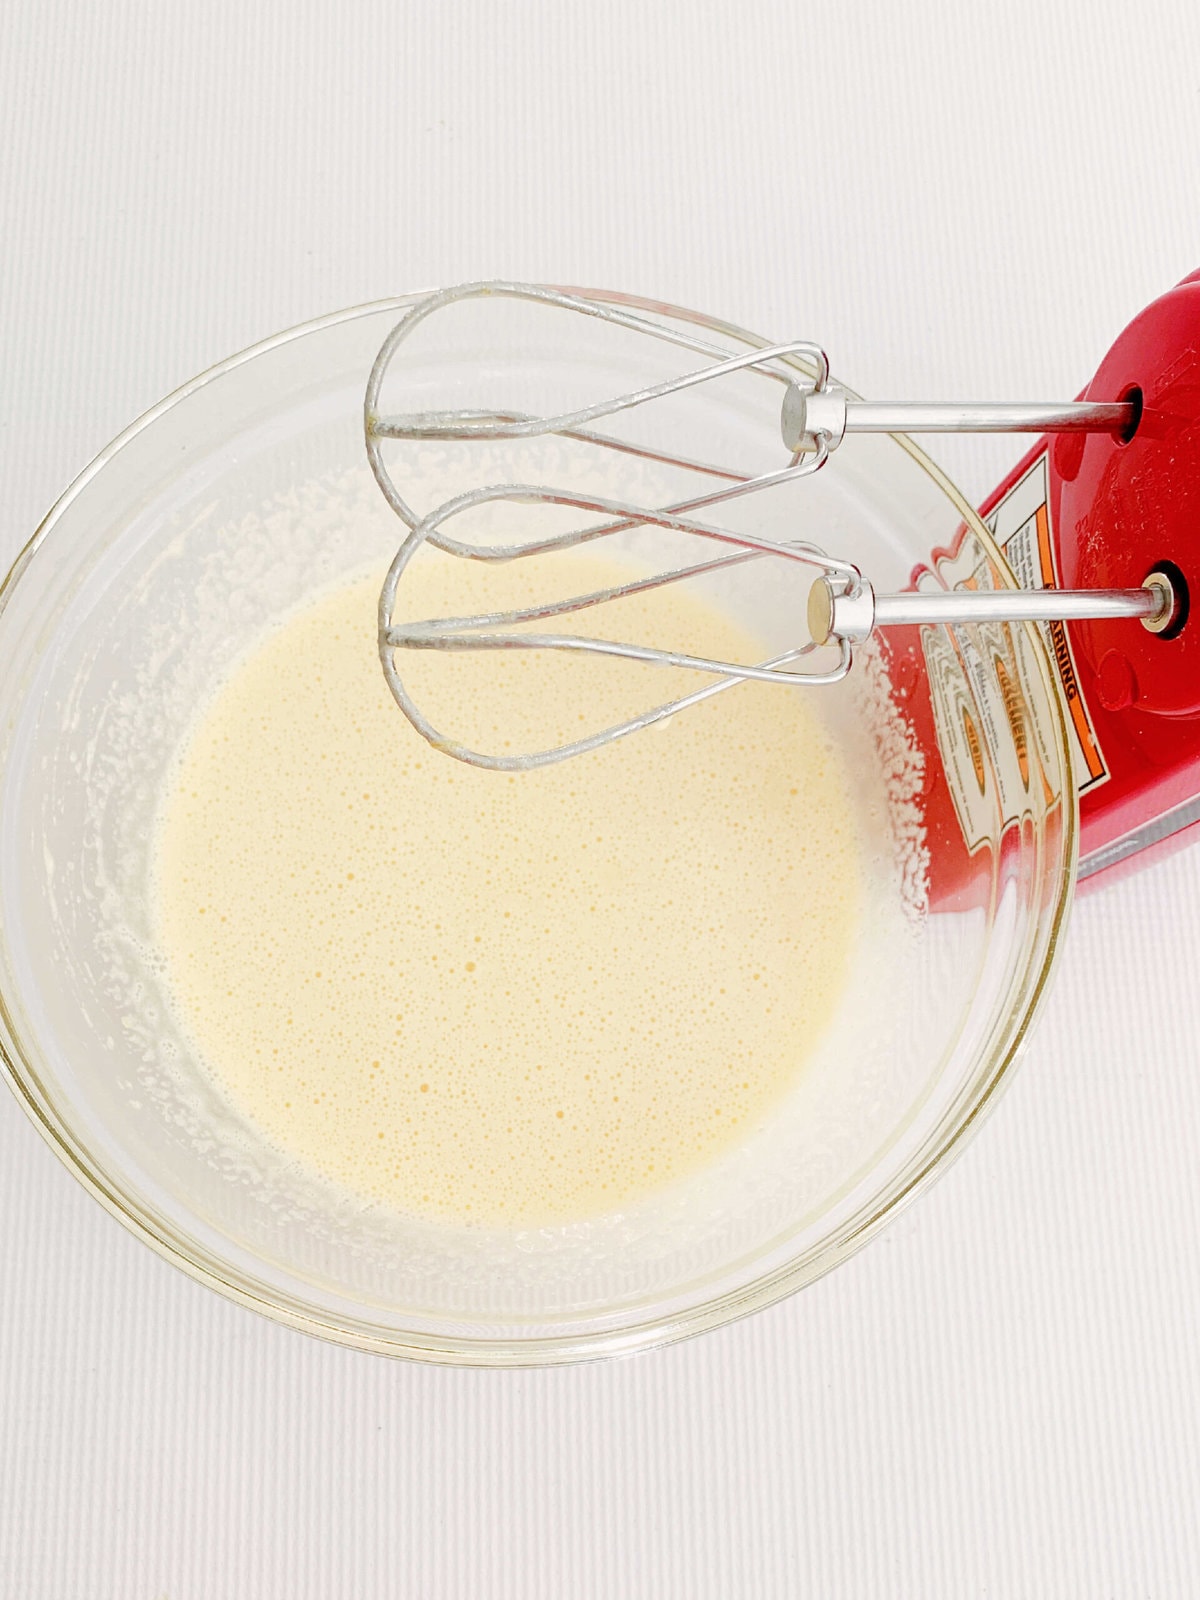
x,y
941,1148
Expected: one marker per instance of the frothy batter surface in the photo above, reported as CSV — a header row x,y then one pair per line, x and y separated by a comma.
x,y
493,999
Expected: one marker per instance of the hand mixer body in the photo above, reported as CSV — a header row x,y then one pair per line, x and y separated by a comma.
x,y
1122,507
1090,511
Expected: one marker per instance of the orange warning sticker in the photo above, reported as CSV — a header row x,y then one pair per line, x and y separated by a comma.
x,y
976,749
1014,706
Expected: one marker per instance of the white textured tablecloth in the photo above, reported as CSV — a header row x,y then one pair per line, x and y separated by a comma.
x,y
1002,1395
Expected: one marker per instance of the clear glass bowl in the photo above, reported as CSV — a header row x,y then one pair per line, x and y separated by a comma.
x,y
216,512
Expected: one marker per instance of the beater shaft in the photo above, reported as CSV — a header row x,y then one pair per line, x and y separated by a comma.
x,y
851,612
822,413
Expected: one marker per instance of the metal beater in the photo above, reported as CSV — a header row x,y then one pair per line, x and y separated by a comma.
x,y
815,416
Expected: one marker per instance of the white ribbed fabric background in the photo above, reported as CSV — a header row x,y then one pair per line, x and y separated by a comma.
x,y
1002,1395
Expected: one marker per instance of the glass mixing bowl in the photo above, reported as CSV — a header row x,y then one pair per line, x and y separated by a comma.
x,y
216,513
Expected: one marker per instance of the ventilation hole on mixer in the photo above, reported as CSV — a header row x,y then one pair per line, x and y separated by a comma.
x,y
1134,396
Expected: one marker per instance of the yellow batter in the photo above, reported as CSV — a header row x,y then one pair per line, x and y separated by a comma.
x,y
493,999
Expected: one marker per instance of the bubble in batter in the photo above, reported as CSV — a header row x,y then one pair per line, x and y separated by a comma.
x,y
492,999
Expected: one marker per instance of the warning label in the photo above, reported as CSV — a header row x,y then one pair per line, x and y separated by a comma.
x,y
989,703
1020,524
995,720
